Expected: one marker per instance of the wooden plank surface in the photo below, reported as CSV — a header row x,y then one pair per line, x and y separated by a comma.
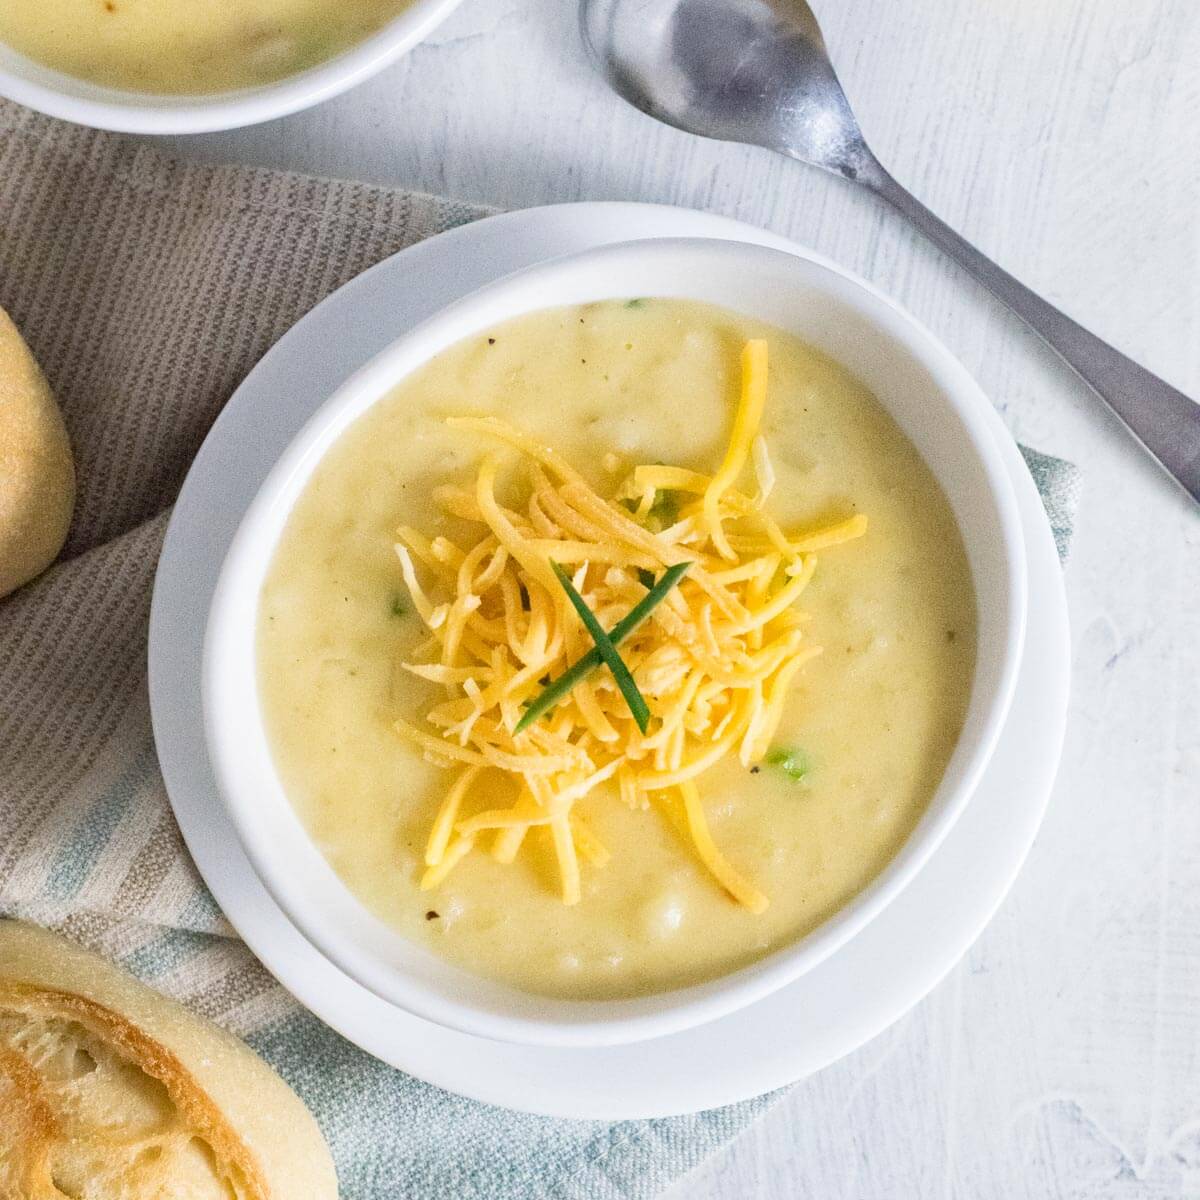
x,y
1062,1058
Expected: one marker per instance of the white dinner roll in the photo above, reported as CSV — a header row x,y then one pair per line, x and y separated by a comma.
x,y
37,473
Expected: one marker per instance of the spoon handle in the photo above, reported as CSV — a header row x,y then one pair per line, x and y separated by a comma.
x,y
1161,417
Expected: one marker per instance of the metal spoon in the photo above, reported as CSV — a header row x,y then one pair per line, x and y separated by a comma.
x,y
757,71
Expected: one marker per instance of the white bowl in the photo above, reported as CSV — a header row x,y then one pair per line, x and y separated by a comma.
x,y
59,95
926,390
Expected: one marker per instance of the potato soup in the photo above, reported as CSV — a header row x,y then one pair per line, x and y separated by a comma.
x,y
652,461
165,47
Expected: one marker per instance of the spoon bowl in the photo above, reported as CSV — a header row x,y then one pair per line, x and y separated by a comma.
x,y
752,71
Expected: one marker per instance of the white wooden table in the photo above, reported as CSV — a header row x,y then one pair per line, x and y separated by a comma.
x,y
1062,1058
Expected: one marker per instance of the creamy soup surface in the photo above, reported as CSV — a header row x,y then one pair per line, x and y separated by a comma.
x,y
875,717
169,47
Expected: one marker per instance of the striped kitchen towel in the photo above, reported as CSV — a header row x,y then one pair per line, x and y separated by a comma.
x,y
148,288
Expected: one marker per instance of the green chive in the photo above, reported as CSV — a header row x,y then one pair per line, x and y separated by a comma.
x,y
591,660
635,303
616,664
664,512
399,607
793,762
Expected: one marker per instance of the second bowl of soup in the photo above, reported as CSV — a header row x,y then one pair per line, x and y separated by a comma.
x,y
618,643
159,66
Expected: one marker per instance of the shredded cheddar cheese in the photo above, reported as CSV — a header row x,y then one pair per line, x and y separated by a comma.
x,y
714,660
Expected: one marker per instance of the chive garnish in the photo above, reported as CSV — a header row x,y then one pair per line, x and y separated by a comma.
x,y
664,512
608,652
591,660
793,762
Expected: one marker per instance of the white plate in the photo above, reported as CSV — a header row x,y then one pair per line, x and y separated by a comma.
x,y
830,1011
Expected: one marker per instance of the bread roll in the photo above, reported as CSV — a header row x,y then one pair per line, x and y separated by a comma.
x,y
37,474
109,1091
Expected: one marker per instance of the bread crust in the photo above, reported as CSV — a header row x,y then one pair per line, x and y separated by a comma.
x,y
260,1132
28,1126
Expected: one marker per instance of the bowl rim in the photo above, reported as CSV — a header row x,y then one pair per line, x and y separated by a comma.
x,y
69,98
610,1022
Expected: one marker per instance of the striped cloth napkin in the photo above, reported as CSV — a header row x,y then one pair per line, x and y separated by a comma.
x,y
148,288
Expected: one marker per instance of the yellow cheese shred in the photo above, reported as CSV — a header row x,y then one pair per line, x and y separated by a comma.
x,y
745,429
743,892
715,662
